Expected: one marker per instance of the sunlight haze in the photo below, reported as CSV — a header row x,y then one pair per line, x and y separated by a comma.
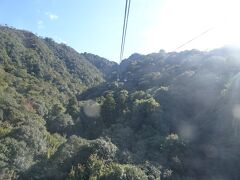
x,y
153,24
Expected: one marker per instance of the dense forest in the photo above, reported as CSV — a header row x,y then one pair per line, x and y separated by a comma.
x,y
66,115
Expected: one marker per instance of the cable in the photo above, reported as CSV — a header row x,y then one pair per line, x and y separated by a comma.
x,y
125,23
193,39
123,31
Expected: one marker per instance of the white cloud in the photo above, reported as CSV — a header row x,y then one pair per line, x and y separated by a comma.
x,y
59,40
40,24
51,16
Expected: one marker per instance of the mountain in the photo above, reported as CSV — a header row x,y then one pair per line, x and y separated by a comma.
x,y
45,59
108,68
64,115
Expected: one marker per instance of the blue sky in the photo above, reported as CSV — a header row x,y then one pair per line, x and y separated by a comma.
x,y
96,25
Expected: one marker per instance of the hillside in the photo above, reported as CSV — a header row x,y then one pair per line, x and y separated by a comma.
x,y
63,115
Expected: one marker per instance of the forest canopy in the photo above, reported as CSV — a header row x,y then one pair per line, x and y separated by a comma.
x,y
64,115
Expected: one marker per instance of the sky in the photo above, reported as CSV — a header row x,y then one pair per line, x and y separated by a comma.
x,y
95,26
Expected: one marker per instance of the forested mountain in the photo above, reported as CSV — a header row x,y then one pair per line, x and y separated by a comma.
x,y
64,115
108,68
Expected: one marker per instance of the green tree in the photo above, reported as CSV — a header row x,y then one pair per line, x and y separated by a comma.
x,y
57,109
72,107
62,123
108,109
145,106
121,101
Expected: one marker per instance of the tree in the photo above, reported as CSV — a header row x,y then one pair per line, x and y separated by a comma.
x,y
108,109
72,107
121,101
145,106
57,109
16,154
62,123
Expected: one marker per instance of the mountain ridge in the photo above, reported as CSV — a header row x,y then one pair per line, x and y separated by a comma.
x,y
64,114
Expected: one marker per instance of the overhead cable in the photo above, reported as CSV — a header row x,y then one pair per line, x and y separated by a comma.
x,y
125,24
